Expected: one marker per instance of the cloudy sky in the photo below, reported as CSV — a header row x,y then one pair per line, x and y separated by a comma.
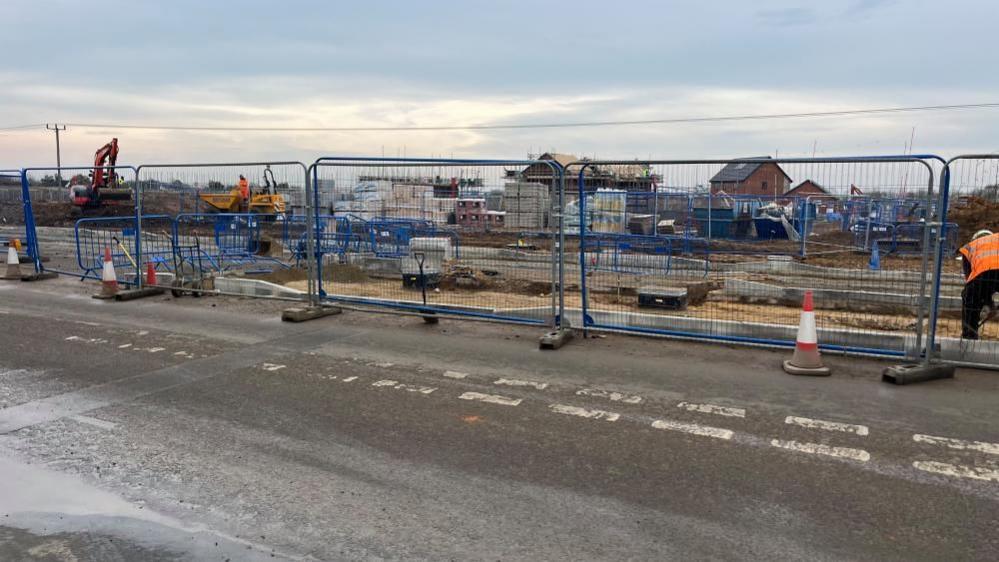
x,y
471,62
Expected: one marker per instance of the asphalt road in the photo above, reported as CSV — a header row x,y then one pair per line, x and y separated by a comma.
x,y
171,429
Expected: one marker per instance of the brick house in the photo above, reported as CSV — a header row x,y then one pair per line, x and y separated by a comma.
x,y
809,188
470,213
762,179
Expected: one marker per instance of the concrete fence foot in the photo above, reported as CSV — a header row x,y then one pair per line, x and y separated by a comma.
x,y
40,276
133,294
555,339
430,317
304,314
908,374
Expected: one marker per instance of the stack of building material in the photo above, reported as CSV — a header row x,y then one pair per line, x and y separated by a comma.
x,y
526,205
434,253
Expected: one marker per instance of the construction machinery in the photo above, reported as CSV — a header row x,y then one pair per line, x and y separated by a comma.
x,y
107,187
265,201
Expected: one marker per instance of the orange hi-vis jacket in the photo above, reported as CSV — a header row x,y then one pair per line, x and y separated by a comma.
x,y
244,188
982,254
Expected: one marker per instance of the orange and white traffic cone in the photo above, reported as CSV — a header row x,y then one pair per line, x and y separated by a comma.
x,y
150,274
806,359
13,263
109,281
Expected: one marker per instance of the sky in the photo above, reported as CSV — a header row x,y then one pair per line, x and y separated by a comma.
x,y
443,63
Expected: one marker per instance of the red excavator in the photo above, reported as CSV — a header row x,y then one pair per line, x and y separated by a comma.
x,y
106,188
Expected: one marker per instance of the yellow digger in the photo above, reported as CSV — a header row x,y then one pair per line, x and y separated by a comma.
x,y
266,201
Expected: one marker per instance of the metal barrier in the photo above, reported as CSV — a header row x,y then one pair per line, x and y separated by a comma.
x,y
962,323
231,232
49,225
94,237
720,250
441,236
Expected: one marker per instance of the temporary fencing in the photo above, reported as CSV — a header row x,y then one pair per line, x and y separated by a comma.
x,y
472,238
233,234
966,326
725,249
50,211
697,249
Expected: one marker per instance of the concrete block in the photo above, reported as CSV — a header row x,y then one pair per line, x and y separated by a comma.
x,y
909,374
555,339
133,294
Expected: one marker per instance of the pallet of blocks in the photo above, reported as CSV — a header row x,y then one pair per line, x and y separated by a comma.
x,y
526,204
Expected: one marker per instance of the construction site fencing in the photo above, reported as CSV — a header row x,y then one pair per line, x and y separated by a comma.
x,y
50,239
229,241
473,238
725,249
965,321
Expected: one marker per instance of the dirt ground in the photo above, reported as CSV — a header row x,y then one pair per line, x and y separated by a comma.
x,y
513,295
64,213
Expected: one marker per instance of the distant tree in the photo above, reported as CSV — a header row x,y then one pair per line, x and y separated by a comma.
x,y
49,180
215,185
80,179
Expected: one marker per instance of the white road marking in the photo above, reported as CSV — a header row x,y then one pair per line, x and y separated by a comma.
x,y
384,365
272,367
455,374
827,425
385,383
349,379
94,422
143,332
610,395
125,346
73,338
859,455
491,398
156,349
957,470
516,382
584,413
86,323
694,428
959,444
713,409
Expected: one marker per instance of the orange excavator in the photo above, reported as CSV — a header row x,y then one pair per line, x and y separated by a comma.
x,y
106,188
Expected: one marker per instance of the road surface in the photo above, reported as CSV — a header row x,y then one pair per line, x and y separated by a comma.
x,y
207,429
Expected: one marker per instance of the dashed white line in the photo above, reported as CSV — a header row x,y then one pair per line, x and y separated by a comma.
x,y
517,382
156,349
94,422
143,332
272,367
125,346
694,428
455,374
610,395
491,398
957,470
713,409
385,383
73,338
584,413
348,379
858,455
828,425
402,386
959,444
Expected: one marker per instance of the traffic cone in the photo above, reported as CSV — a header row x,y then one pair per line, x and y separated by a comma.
x,y
150,274
13,263
109,281
806,360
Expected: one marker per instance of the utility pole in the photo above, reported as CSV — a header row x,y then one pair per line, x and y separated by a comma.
x,y
56,127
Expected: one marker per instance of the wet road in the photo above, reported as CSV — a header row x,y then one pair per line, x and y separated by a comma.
x,y
182,430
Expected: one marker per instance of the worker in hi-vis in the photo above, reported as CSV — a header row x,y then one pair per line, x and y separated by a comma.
x,y
244,193
981,274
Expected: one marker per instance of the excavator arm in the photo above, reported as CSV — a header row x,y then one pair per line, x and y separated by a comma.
x,y
107,153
